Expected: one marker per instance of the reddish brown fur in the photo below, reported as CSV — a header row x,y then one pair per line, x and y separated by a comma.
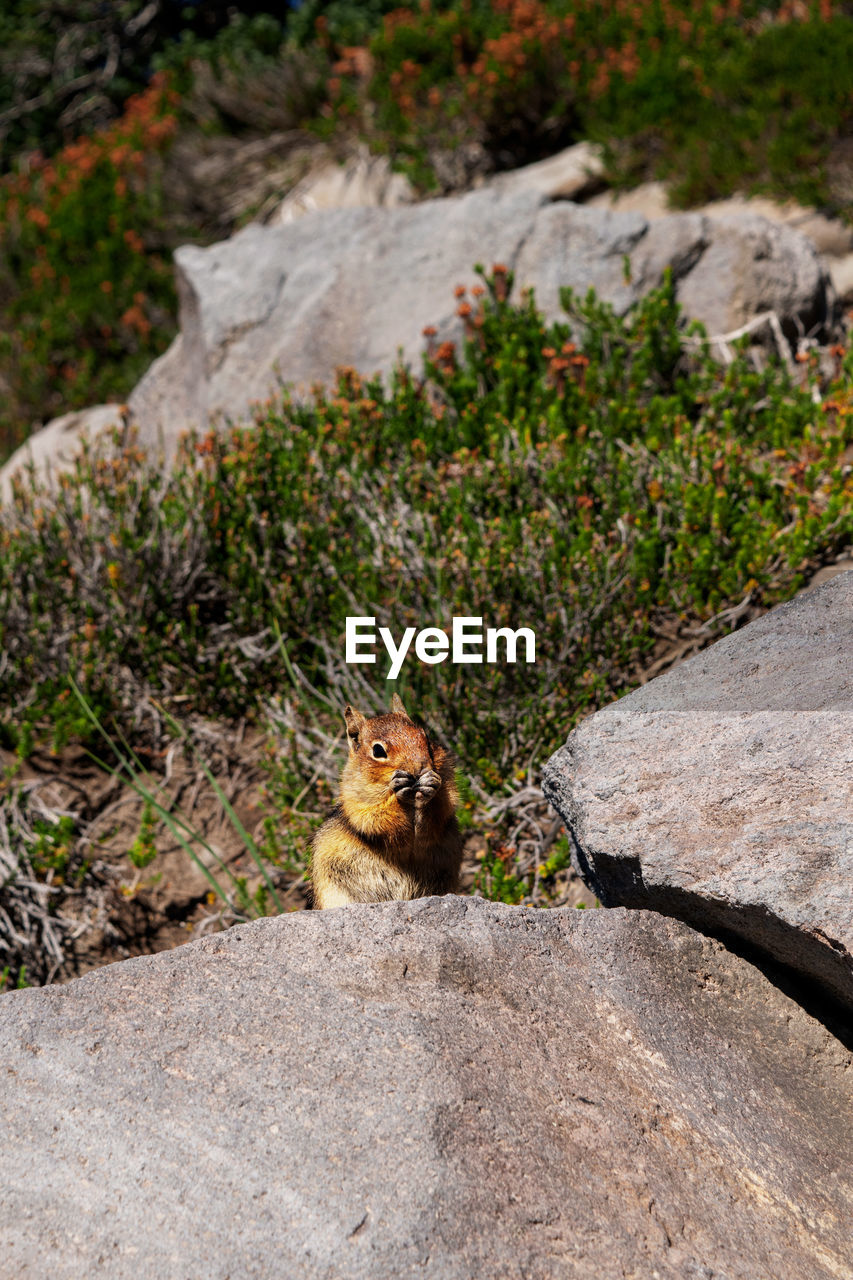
x,y
394,834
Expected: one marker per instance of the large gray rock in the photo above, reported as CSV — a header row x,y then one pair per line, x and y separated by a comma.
x,y
727,269
446,1088
338,287
751,266
830,236
357,286
722,792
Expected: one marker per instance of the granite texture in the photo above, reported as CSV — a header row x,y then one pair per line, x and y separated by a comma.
x,y
445,1088
722,792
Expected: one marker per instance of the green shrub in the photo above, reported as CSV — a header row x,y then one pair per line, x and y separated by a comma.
x,y
247,40
495,77
781,91
517,79
592,487
42,864
496,881
18,983
68,69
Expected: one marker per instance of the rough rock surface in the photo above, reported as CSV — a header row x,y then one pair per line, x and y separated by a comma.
x,y
750,266
830,236
722,792
356,286
447,1088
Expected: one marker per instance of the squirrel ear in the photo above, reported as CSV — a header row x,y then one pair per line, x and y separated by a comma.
x,y
354,721
397,706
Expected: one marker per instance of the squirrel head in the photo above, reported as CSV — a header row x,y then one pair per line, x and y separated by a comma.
x,y
391,755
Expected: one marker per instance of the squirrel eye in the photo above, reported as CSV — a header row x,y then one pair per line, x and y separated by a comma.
x,y
379,752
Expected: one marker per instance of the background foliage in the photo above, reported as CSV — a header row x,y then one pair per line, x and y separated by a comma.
x,y
88,301
90,208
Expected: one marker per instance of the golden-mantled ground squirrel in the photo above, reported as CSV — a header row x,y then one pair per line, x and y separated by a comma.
x,y
393,833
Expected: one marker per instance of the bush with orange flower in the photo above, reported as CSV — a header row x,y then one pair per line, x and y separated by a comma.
x,y
713,95
86,292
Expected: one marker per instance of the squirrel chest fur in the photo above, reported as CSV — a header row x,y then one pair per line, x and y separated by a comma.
x,y
393,833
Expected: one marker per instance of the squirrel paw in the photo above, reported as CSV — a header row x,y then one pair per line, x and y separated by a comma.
x,y
428,783
403,784
421,789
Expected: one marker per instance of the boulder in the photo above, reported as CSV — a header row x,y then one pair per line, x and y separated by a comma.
x,y
830,236
341,287
722,791
357,286
752,266
446,1088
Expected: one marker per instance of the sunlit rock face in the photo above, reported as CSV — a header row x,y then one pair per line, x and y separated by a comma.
x,y
446,1087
